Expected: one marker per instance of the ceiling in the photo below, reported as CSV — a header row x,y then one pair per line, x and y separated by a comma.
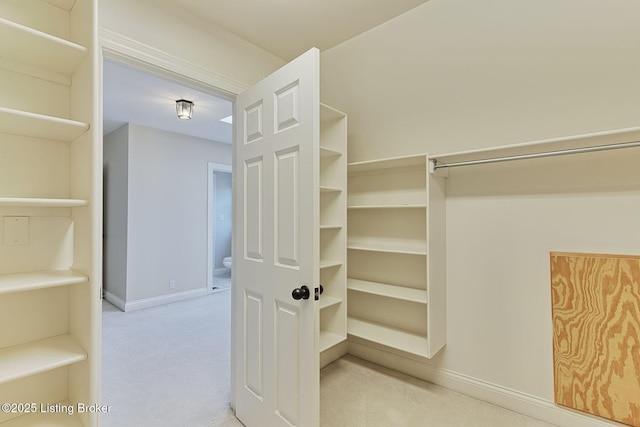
x,y
285,28
132,96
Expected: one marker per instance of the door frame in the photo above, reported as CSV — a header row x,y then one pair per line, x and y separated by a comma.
x,y
115,47
212,168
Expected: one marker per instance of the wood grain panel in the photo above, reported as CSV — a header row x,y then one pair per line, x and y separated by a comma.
x,y
596,341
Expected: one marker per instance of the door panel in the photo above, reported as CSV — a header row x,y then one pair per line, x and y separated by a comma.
x,y
276,248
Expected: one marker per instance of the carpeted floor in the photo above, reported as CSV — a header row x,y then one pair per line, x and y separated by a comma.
x,y
168,366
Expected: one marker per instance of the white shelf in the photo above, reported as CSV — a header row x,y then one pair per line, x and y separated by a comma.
x,y
329,339
391,337
41,203
389,246
325,189
39,356
328,113
327,301
405,206
330,227
389,163
33,47
39,126
19,282
328,152
327,263
389,291
46,419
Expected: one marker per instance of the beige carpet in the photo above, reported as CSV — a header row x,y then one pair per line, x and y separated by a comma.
x,y
168,366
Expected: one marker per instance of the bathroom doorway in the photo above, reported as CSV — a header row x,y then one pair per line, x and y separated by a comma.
x,y
219,226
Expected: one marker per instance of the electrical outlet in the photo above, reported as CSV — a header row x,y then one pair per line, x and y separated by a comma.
x,y
172,284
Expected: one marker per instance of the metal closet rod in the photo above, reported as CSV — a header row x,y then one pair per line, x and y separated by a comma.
x,y
439,165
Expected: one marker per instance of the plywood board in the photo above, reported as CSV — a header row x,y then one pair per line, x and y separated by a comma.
x,y
596,340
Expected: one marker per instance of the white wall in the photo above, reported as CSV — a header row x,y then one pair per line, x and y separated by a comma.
x,y
168,211
165,208
457,74
116,176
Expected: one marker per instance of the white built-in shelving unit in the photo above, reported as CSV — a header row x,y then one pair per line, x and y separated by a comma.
x,y
333,234
395,243
50,204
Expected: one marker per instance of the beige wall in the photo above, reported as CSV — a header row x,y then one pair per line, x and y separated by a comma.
x,y
452,75
458,74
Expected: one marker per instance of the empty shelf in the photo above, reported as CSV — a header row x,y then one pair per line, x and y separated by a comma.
x,y
328,113
327,301
386,245
326,189
390,291
326,263
330,227
389,163
39,49
46,419
391,337
42,203
39,126
329,339
39,356
328,152
405,206
40,279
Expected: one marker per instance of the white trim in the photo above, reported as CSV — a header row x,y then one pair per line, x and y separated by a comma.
x,y
163,299
505,397
118,302
123,49
211,213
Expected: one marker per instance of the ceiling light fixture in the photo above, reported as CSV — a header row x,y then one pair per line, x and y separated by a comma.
x,y
184,109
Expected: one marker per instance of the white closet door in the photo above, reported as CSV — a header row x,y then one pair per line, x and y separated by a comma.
x,y
276,197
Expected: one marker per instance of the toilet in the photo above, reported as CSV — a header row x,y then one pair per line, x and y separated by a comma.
x,y
226,262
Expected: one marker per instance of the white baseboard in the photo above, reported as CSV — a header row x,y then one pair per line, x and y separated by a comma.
x,y
498,395
114,300
160,300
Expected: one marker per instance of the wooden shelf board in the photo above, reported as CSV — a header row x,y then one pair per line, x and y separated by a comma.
x,y
389,291
19,282
46,419
405,206
39,49
327,263
329,339
326,189
379,245
39,356
329,152
44,203
391,337
388,163
327,301
39,126
330,227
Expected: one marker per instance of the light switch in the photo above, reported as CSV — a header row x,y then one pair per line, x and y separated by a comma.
x,y
16,230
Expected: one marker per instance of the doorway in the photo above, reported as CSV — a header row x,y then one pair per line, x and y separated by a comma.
x,y
130,353
219,222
